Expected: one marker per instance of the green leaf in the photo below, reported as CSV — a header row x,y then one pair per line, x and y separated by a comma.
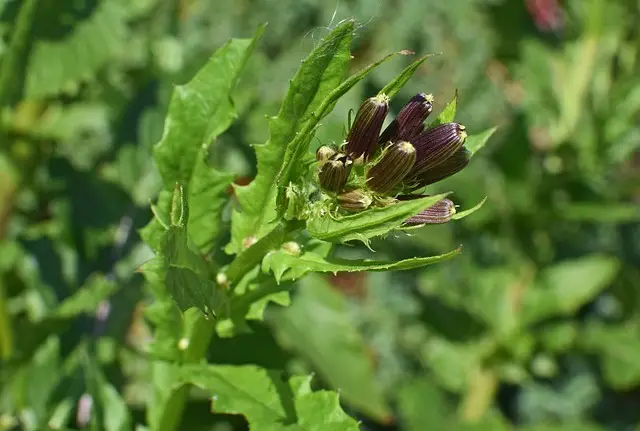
x,y
463,214
280,261
200,111
565,287
397,83
370,223
268,401
422,406
87,298
336,350
155,230
475,142
319,73
207,199
448,114
619,349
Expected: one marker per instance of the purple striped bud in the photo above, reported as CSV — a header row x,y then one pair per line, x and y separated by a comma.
x,y
334,173
435,145
363,136
355,200
454,164
324,153
409,121
394,165
441,212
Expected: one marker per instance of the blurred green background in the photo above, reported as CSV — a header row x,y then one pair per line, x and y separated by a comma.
x,y
535,326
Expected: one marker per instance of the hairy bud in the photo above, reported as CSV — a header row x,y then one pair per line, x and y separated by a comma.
x,y
355,200
437,144
334,173
454,164
364,132
395,163
409,121
441,212
324,153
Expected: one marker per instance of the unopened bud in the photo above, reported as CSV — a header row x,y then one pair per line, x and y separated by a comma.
x,y
441,212
292,247
409,121
355,200
334,173
454,164
364,132
394,165
324,153
436,145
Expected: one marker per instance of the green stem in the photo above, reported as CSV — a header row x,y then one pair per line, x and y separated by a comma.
x,y
249,258
16,51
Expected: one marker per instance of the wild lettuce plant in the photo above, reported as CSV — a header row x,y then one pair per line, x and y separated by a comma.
x,y
285,223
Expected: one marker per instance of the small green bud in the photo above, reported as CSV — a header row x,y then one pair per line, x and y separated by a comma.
x,y
355,200
324,153
394,165
334,173
292,248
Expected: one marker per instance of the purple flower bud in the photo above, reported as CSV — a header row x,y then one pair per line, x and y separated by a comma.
x,y
441,212
354,200
362,137
334,173
324,153
435,145
409,121
454,164
394,165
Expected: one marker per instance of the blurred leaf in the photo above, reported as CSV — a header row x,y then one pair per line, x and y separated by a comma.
x,y
397,83
370,223
565,287
337,351
86,300
318,75
272,404
618,348
602,212
279,262
422,406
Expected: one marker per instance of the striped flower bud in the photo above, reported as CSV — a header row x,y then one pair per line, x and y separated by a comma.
x,y
363,136
409,121
394,165
454,164
354,200
441,212
324,153
334,173
435,145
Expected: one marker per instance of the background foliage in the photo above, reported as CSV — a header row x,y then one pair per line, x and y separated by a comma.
x,y
534,326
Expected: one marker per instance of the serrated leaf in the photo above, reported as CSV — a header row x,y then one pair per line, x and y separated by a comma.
x,y
318,75
280,261
267,401
336,350
370,223
567,286
474,143
207,199
463,214
397,83
448,114
87,298
201,110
